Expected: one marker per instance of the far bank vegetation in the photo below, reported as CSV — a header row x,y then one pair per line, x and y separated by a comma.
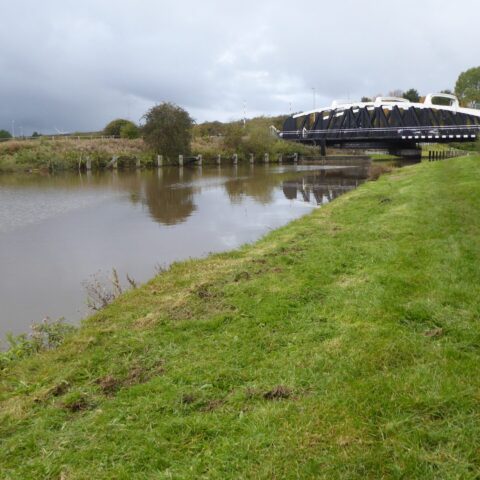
x,y
168,130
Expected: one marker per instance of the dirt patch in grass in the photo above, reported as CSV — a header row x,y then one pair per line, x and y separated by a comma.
x,y
77,403
212,405
241,276
188,399
435,332
59,389
206,291
280,392
110,384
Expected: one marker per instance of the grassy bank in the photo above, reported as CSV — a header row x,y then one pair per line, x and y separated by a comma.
x,y
66,153
345,345
209,140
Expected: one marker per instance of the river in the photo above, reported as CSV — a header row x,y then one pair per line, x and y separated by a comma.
x,y
60,232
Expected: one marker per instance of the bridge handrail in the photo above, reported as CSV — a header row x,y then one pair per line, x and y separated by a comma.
x,y
386,129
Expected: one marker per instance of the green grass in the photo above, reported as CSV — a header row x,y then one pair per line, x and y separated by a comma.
x,y
343,346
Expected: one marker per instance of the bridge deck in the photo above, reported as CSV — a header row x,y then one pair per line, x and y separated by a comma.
x,y
390,121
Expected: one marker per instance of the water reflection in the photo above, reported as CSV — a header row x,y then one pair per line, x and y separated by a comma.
x,y
322,186
58,230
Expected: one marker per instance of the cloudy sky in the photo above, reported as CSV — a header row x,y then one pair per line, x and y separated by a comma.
x,y
73,66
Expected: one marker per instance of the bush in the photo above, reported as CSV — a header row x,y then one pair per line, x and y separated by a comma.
x,y
234,133
114,128
130,131
168,130
5,134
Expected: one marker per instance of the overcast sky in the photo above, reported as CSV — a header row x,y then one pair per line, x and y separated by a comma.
x,y
75,65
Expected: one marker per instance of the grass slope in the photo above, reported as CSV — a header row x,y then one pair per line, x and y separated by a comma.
x,y
345,345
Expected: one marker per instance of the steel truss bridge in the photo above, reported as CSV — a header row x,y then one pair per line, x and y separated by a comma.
x,y
387,122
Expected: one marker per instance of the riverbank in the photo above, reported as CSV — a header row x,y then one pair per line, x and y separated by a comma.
x,y
58,154
71,153
344,345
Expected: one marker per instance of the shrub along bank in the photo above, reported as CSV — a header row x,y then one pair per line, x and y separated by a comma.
x,y
344,345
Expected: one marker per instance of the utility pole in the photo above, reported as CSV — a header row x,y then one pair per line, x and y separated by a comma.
x,y
13,128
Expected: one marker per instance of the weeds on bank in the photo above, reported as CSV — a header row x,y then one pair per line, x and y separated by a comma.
x,y
102,291
43,336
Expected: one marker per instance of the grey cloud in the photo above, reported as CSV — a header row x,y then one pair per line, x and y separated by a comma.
x,y
76,65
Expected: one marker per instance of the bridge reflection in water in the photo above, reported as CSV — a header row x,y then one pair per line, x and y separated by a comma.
x,y
323,186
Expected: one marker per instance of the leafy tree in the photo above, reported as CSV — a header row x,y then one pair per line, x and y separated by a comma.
x,y
412,95
113,129
129,130
467,87
366,99
168,129
396,93
5,134
209,129
35,135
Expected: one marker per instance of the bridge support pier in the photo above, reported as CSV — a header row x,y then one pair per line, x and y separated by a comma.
x,y
323,148
412,152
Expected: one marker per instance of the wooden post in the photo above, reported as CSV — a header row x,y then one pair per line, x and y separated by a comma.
x,y
219,159
159,160
295,157
114,162
252,158
280,158
235,158
180,160
137,162
266,158
429,155
88,163
199,160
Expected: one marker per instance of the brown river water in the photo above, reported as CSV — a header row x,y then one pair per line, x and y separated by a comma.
x,y
58,232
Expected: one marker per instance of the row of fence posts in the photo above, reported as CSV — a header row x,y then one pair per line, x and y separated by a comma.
x,y
434,155
198,160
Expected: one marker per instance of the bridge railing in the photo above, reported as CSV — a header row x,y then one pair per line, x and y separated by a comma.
x,y
426,132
